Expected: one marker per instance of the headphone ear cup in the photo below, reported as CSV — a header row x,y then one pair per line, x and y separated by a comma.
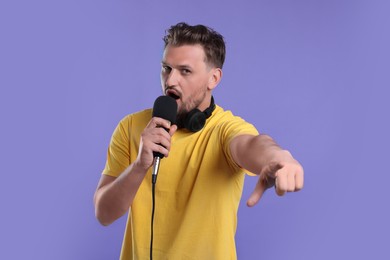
x,y
195,120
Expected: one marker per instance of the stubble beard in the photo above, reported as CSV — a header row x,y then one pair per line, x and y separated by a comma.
x,y
185,109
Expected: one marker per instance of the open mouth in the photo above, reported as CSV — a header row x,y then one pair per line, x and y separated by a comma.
x,y
173,94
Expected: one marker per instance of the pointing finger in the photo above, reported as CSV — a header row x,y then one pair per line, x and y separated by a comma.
x,y
257,193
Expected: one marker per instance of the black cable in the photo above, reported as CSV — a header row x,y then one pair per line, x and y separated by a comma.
x,y
152,220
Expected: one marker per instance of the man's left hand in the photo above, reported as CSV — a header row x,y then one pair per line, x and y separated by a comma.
x,y
284,172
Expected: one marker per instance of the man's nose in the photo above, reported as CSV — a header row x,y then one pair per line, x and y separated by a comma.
x,y
172,78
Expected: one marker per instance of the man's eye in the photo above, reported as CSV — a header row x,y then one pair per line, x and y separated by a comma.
x,y
185,71
166,69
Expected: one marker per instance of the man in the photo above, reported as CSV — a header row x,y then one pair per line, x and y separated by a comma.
x,y
201,177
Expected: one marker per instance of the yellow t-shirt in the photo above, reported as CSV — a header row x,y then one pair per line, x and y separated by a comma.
x,y
198,190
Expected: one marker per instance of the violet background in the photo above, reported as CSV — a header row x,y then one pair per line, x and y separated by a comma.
x,y
312,74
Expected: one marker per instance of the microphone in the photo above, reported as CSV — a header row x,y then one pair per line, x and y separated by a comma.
x,y
164,107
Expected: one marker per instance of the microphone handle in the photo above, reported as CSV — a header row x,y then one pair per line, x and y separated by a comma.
x,y
157,154
156,166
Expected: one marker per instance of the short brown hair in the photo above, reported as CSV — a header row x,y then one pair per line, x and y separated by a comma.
x,y
212,42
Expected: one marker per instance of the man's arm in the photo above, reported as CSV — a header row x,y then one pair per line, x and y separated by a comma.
x,y
114,196
262,156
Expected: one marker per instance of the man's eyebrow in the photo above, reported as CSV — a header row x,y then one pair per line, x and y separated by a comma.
x,y
183,66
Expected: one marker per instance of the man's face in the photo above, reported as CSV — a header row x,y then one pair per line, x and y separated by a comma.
x,y
186,77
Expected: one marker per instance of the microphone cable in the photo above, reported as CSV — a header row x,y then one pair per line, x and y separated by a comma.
x,y
152,219
154,180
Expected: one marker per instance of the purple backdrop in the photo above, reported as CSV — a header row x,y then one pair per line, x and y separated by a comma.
x,y
312,74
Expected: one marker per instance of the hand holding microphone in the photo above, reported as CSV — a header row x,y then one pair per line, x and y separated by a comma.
x,y
155,140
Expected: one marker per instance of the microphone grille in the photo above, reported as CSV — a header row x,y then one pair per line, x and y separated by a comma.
x,y
165,107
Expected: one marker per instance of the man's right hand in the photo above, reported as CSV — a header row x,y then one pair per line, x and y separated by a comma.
x,y
154,138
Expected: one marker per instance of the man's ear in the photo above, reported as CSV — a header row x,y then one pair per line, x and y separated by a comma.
x,y
215,77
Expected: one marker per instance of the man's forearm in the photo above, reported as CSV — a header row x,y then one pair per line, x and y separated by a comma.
x,y
114,198
254,153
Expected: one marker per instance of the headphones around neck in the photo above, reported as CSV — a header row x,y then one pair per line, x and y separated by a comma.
x,y
196,119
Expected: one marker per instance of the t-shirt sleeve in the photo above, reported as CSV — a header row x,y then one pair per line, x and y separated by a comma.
x,y
230,129
118,153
